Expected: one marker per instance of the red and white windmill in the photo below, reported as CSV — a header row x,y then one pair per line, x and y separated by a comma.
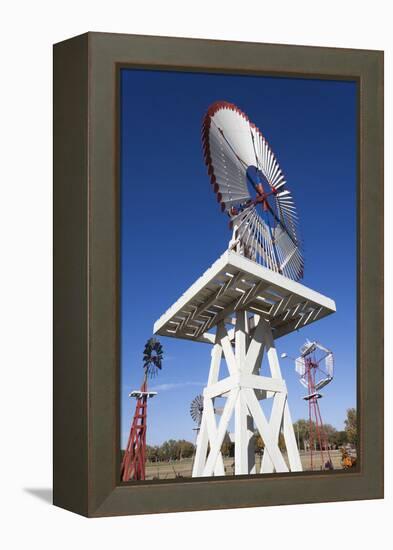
x,y
134,460
251,188
246,299
315,367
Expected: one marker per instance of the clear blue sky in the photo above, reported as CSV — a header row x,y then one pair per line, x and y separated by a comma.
x,y
172,228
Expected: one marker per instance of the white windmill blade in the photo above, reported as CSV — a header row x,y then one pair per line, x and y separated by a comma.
x,y
307,348
300,366
303,382
329,363
322,348
245,175
322,383
308,367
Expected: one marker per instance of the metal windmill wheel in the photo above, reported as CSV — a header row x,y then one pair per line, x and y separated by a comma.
x,y
152,357
196,409
315,360
252,190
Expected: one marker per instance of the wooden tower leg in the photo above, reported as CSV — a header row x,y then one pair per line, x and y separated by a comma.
x,y
133,464
242,423
208,426
285,423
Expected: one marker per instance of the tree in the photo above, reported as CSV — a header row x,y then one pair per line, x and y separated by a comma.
x,y
259,443
339,438
168,450
351,426
152,453
302,432
330,432
227,447
281,442
185,449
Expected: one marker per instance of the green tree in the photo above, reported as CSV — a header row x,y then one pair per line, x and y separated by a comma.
x,y
302,432
259,443
168,450
185,449
330,432
152,453
227,447
171,450
350,424
339,438
281,442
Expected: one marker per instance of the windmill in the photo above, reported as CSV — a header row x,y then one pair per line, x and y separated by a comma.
x,y
133,464
246,299
315,367
196,410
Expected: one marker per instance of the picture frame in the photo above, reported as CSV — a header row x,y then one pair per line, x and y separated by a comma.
x,y
86,454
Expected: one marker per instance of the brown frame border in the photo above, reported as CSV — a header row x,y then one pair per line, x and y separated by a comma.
x,y
86,301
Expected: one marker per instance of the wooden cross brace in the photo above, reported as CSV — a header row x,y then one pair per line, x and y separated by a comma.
x,y
243,389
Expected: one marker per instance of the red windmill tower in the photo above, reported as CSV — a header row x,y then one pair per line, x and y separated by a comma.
x,y
133,464
315,367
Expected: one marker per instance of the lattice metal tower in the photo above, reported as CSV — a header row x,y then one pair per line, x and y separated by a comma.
x,y
134,459
315,366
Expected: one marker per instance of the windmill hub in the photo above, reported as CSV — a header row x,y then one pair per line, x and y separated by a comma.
x,y
259,183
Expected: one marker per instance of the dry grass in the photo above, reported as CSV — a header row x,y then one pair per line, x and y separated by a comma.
x,y
183,468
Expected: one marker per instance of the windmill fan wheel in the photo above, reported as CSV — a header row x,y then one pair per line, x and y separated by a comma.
x,y
196,409
152,357
251,188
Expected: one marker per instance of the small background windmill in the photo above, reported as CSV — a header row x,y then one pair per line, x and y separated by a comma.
x,y
133,464
315,367
196,410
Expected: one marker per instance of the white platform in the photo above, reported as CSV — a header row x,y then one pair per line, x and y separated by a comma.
x,y
234,283
138,394
241,308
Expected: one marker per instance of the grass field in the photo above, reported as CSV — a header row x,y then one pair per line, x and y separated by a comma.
x,y
183,468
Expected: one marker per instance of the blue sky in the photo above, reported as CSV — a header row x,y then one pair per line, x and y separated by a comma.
x,y
172,229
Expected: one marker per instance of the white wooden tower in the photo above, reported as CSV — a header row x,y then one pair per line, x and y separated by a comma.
x,y
240,308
